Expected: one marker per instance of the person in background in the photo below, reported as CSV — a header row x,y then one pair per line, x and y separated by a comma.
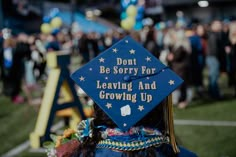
x,y
23,53
52,43
160,34
225,46
65,41
202,33
108,39
179,62
29,79
232,54
136,36
39,58
197,61
226,62
84,48
168,43
93,45
150,43
212,62
12,70
1,47
29,64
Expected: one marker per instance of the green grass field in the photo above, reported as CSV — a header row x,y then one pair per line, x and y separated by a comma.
x,y
209,141
17,121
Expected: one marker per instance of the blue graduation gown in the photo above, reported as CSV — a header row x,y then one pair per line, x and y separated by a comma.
x,y
110,153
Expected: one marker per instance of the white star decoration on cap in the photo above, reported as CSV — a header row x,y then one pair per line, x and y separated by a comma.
x,y
140,108
109,105
101,60
82,78
132,51
106,78
124,124
148,59
171,82
90,69
127,41
114,50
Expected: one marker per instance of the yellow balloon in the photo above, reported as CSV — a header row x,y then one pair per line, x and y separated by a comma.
x,y
131,11
128,23
124,25
56,22
46,28
131,20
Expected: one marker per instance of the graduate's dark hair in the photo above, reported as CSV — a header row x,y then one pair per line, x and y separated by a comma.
x,y
154,119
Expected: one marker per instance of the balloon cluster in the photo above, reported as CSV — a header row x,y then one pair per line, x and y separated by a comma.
x,y
51,22
132,15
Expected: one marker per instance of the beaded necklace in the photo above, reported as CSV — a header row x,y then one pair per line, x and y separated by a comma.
x,y
134,139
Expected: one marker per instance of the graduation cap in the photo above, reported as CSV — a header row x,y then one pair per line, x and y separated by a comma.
x,y
127,82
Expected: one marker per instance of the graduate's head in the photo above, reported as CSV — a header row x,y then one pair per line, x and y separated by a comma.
x,y
155,119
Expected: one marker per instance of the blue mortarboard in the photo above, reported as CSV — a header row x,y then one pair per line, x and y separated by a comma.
x,y
127,82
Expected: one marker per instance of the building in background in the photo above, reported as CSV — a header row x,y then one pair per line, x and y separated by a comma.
x,y
27,14
21,15
200,10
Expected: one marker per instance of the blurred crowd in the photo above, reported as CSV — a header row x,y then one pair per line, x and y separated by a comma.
x,y
189,51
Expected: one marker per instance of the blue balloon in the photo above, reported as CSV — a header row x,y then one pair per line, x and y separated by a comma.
x,y
54,12
125,3
134,2
123,15
140,13
55,31
138,26
46,19
139,17
140,9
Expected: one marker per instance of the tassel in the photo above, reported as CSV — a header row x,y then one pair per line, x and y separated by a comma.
x,y
170,126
